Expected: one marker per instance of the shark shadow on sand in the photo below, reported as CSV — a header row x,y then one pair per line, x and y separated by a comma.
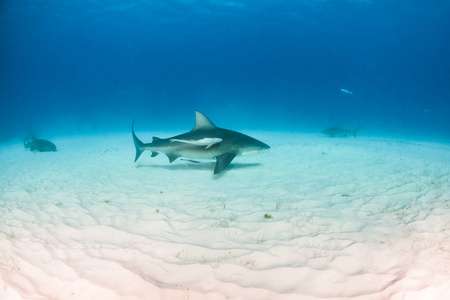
x,y
199,166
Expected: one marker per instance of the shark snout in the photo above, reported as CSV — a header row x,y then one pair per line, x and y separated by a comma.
x,y
254,148
265,146
258,145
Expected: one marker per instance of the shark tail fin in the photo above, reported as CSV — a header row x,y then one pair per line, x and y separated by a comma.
x,y
137,143
356,131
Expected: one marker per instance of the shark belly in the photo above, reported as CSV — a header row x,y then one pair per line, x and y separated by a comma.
x,y
198,154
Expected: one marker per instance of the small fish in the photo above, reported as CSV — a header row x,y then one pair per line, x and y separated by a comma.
x,y
38,145
208,142
190,160
346,91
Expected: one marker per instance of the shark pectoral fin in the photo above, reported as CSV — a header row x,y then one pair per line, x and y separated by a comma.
x,y
222,161
172,157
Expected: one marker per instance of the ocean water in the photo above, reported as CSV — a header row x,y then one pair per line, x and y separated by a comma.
x,y
92,66
313,217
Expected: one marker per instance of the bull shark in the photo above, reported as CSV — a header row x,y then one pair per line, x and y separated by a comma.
x,y
205,141
337,131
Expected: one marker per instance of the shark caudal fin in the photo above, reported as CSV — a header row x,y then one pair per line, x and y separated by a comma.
x,y
137,143
356,131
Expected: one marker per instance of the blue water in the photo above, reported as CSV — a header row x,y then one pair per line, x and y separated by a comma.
x,y
80,67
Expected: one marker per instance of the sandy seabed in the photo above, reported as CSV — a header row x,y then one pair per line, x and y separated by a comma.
x,y
312,218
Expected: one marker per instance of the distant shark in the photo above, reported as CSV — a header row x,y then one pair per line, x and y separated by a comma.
x,y
205,141
337,131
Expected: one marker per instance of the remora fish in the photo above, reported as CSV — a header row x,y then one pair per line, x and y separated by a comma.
x,y
337,131
346,91
205,141
38,145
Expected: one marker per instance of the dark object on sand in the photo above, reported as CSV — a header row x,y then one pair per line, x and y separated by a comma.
x,y
38,145
337,131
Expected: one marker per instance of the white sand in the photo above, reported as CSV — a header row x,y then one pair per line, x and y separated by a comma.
x,y
352,218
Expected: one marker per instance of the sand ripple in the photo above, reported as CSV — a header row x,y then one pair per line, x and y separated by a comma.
x,y
314,218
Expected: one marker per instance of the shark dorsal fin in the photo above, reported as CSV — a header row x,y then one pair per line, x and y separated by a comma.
x,y
202,122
